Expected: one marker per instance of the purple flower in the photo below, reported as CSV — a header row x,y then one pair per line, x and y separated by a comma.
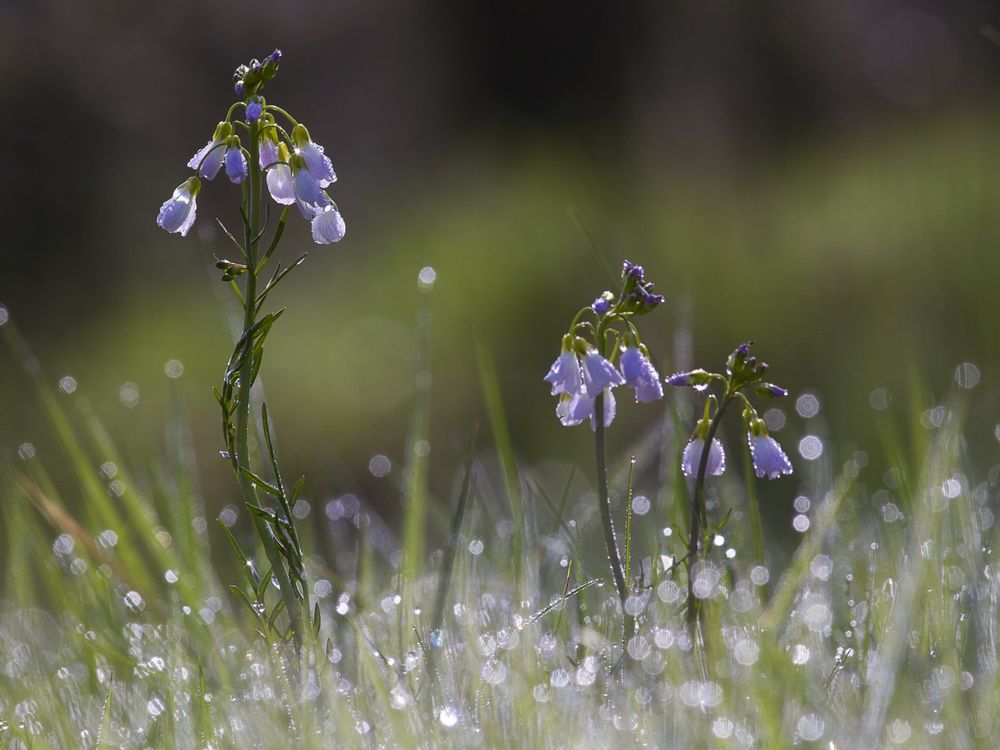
x,y
274,58
318,163
274,158
769,460
640,374
177,214
207,161
267,149
598,373
309,194
572,409
328,226
691,459
565,375
254,110
236,162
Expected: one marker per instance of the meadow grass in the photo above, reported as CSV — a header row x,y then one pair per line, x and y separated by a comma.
x,y
119,628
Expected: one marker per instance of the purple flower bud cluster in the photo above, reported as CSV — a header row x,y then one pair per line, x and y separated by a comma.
x,y
638,296
250,78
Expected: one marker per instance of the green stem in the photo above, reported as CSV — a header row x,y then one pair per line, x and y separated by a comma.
x,y
610,541
252,231
699,516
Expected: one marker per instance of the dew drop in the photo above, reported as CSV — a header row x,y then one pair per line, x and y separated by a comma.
x,y
448,717
155,707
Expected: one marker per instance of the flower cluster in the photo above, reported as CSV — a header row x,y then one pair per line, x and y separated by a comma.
x,y
297,169
744,373
601,335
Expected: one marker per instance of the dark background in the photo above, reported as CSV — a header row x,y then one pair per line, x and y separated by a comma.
x,y
821,177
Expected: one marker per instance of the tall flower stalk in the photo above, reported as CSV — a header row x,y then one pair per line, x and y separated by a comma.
x,y
704,455
279,158
601,336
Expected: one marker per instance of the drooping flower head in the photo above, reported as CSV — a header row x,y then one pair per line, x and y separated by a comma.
x,y
309,195
769,460
602,351
640,374
715,462
599,373
279,175
565,374
207,161
328,225
236,162
691,460
744,375
318,163
177,213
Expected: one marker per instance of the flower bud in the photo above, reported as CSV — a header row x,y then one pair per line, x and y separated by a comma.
x,y
770,390
603,303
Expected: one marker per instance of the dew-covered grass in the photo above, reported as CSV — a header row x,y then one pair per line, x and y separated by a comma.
x,y
118,627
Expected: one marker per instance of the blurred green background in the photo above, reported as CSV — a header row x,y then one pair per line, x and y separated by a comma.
x,y
822,178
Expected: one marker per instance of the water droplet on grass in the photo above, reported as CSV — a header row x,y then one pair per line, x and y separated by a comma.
x,y
155,707
448,717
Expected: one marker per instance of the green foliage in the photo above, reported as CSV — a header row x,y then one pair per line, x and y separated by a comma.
x,y
880,629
